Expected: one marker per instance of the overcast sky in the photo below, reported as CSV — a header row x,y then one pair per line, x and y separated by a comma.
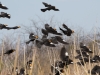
x,y
74,13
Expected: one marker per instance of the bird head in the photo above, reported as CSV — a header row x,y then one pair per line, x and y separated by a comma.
x,y
18,26
36,36
5,25
72,31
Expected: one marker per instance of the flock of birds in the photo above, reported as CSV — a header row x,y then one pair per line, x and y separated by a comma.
x,y
6,15
83,54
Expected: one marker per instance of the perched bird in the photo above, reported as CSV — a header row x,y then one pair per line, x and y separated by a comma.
x,y
22,71
65,57
49,7
84,60
3,14
95,70
85,48
57,70
2,26
96,58
3,6
45,32
32,37
79,56
9,51
16,27
59,39
29,64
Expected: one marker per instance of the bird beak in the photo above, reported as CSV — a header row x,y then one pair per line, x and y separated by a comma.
x,y
72,31
36,37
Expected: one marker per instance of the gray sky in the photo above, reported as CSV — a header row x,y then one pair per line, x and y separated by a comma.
x,y
74,13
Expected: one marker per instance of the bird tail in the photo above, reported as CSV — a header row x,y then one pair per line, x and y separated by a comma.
x,y
61,29
43,10
59,34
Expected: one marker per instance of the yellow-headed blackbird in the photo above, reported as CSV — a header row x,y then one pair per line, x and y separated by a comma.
x,y
51,30
3,14
59,39
45,32
95,70
3,6
65,57
39,43
9,51
49,43
16,27
96,58
68,31
49,7
29,64
54,40
22,71
85,48
84,54
2,26
32,37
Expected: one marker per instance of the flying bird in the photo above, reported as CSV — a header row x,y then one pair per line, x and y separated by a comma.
x,y
68,31
3,14
3,6
59,39
49,7
45,32
51,30
32,37
16,27
9,51
3,26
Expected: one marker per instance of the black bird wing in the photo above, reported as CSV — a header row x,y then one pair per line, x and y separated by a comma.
x,y
66,27
61,40
45,32
64,54
39,43
46,4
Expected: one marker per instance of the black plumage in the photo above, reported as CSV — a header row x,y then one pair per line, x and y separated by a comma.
x,y
39,43
85,48
3,14
51,30
45,32
49,7
3,6
65,57
95,70
29,64
16,27
9,51
46,4
96,58
59,39
49,43
68,31
32,37
3,26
